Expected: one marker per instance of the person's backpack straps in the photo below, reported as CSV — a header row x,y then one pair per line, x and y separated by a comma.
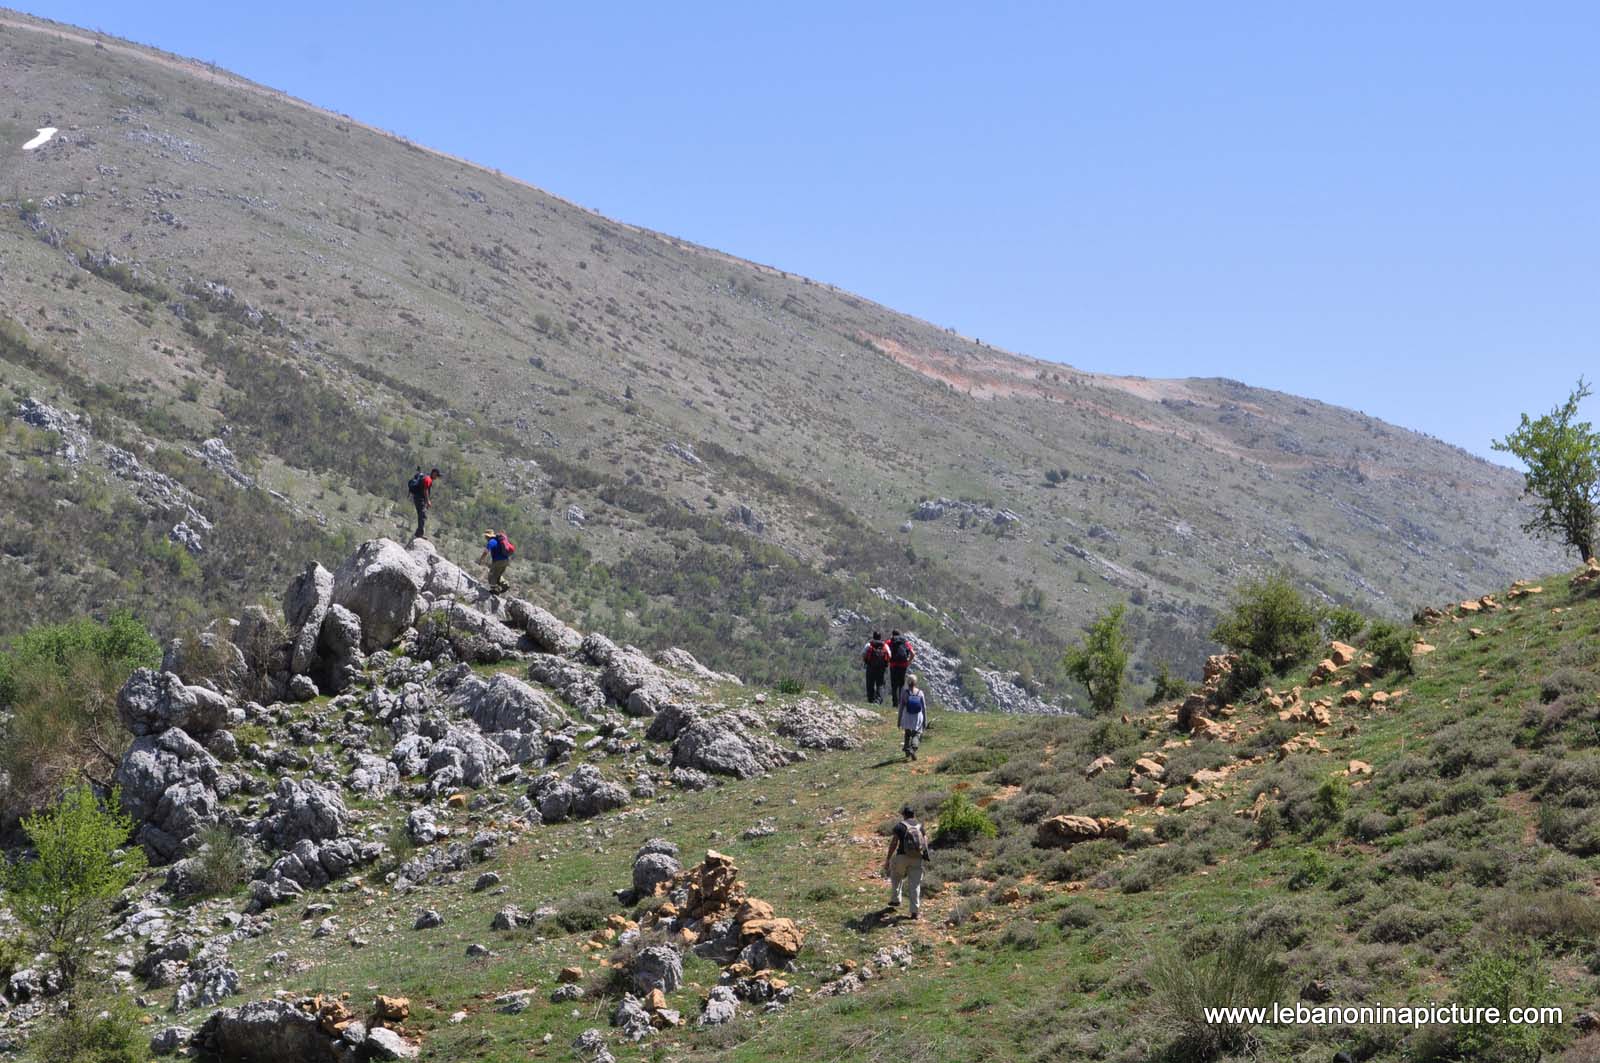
x,y
900,651
415,485
918,840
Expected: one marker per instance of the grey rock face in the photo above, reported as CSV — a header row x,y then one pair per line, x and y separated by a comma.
x,y
372,776
505,703
651,870
380,583
267,1031
305,604
631,1018
721,1006
207,656
151,702
427,919
209,982
657,967
169,786
463,757
714,748
304,810
338,649
545,631
578,685
583,794
170,1041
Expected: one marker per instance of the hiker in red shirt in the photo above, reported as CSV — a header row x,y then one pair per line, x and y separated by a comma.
x,y
421,488
875,656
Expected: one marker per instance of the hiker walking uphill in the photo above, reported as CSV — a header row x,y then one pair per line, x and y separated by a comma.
x,y
421,488
913,708
876,659
497,551
908,851
901,654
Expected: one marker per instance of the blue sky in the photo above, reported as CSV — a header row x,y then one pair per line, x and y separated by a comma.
x,y
1390,207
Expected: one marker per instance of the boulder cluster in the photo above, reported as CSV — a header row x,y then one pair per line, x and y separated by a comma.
x,y
283,734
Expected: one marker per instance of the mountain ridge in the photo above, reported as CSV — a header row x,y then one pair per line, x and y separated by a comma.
x,y
199,261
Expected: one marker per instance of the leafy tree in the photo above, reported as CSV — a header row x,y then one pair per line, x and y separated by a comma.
x,y
1344,623
62,894
93,1031
1390,645
1562,456
1101,660
1272,620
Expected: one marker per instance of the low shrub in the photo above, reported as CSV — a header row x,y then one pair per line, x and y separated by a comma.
x,y
93,1031
224,861
971,761
583,912
1558,918
1020,935
1506,978
961,821
1239,973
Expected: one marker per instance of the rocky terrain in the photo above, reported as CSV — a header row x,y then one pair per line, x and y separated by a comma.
x,y
238,322
387,699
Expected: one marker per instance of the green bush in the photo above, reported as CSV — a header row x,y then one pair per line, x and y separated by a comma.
x,y
1168,687
1248,673
1240,972
63,892
1390,646
1506,978
961,821
1343,623
790,685
60,684
107,1031
1272,620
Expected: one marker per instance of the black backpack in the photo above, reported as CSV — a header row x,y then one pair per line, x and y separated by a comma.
x,y
899,650
415,486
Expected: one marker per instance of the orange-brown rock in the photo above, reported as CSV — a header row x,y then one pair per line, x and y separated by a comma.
x,y
392,1009
781,935
1360,767
456,801
1098,765
1324,671
1351,697
1471,606
332,1015
570,975
1218,665
1191,799
754,908
1421,649
1340,653
655,1000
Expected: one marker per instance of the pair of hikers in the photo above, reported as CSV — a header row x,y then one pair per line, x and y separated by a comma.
x,y
497,545
892,656
908,851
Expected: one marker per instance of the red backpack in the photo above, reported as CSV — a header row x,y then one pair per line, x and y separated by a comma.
x,y
877,652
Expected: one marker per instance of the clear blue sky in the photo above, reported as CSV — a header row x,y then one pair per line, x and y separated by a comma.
x,y
1391,207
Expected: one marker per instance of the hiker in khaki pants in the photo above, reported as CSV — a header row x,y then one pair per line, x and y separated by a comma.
x,y
908,850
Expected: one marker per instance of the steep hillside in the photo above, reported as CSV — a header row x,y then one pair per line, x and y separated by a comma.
x,y
267,314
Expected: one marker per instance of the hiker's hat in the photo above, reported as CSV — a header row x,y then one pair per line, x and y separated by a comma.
x,y
908,811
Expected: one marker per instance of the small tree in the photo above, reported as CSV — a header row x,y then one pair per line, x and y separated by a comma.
x,y
62,893
1562,456
1099,663
1272,620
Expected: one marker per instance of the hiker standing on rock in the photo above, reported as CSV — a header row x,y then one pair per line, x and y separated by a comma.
x,y
497,551
876,658
908,850
913,717
421,488
901,654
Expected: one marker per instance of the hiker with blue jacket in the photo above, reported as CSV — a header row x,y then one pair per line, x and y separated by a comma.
x,y
913,716
497,551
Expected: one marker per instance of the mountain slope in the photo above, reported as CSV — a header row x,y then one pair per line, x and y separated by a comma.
x,y
690,447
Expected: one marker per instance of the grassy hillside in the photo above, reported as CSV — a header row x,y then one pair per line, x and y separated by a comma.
x,y
195,257
1438,847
